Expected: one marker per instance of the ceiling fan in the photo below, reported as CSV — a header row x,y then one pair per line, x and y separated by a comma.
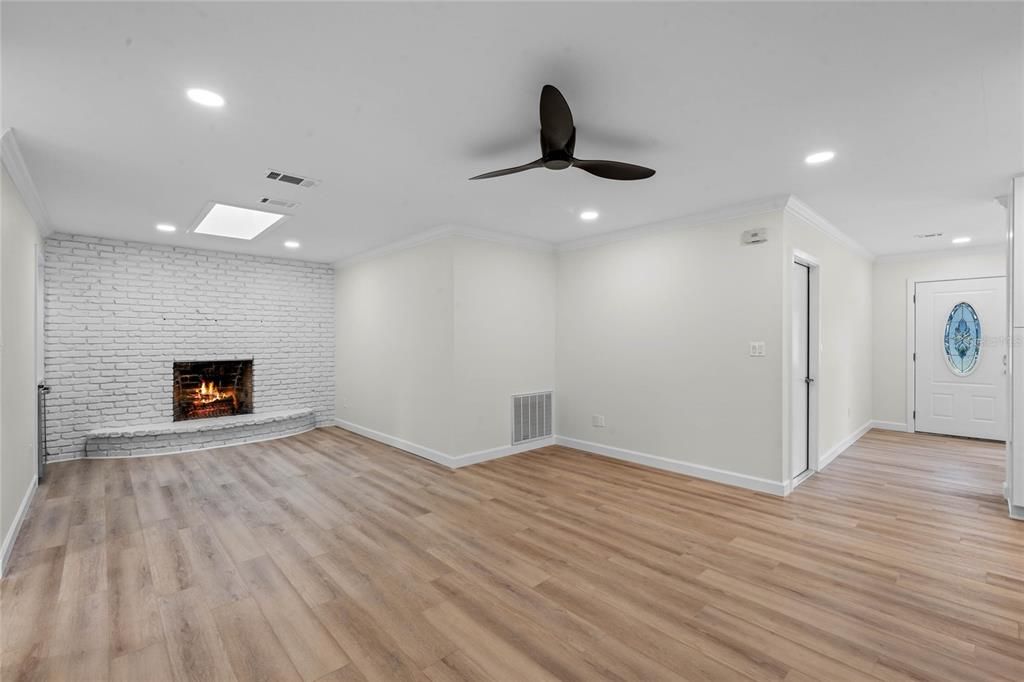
x,y
558,140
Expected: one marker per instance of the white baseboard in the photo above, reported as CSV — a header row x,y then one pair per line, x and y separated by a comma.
x,y
495,453
888,426
396,442
443,458
697,470
655,461
841,446
19,518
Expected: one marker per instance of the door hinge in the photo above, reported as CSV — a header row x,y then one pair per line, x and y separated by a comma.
x,y
915,298
914,414
914,358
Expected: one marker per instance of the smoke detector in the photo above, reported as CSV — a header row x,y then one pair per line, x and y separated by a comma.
x,y
291,178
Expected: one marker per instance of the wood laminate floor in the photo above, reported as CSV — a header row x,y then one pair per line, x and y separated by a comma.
x,y
326,556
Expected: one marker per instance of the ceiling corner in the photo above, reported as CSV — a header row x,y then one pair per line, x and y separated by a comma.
x,y
14,163
798,208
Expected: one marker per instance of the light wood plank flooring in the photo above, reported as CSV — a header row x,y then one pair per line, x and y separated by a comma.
x,y
326,556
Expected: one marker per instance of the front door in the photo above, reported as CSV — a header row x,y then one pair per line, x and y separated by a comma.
x,y
960,357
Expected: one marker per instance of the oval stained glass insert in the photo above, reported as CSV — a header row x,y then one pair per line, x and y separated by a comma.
x,y
962,340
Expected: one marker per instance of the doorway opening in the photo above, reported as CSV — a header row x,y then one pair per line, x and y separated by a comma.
x,y
803,371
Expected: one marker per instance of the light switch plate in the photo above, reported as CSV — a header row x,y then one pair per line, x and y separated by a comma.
x,y
757,349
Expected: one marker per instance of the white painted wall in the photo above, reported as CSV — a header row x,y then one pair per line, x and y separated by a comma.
x,y
433,340
395,344
844,376
889,313
19,240
653,334
504,336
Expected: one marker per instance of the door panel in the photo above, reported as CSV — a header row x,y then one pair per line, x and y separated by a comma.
x,y
799,441
951,396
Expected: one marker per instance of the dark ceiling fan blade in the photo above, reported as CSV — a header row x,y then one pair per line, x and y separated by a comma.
x,y
539,163
614,170
556,126
557,141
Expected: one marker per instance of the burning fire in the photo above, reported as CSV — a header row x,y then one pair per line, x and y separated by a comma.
x,y
210,392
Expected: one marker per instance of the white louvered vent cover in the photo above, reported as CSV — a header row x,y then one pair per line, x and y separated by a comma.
x,y
531,416
280,203
291,178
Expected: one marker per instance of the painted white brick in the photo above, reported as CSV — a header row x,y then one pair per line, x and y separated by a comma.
x,y
118,314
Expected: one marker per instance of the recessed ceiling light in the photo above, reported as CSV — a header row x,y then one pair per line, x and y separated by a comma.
x,y
820,157
236,222
589,215
292,244
207,98
164,227
961,240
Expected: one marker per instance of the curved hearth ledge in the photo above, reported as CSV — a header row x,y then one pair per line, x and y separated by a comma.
x,y
137,440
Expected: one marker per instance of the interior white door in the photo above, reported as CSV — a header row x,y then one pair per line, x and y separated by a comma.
x,y
800,387
960,357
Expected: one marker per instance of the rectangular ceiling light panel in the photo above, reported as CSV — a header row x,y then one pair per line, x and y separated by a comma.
x,y
236,222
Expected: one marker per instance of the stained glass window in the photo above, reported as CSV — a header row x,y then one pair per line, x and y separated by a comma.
x,y
962,339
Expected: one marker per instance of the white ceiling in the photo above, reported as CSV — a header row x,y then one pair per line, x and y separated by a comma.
x,y
393,106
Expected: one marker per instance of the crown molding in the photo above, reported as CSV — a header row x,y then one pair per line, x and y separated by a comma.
x,y
502,238
801,210
951,250
716,215
784,202
14,162
403,244
444,232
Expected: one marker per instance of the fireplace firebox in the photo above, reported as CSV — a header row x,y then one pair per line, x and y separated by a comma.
x,y
216,388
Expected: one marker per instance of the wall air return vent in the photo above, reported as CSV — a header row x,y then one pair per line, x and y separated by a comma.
x,y
531,416
291,178
280,203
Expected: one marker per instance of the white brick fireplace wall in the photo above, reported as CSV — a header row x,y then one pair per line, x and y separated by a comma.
x,y
118,314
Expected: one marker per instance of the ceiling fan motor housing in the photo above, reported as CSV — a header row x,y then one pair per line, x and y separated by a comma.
x,y
557,160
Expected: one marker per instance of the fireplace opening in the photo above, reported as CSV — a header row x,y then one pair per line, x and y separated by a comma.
x,y
216,388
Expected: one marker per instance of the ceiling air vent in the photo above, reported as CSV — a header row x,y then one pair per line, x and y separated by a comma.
x,y
291,179
928,235
531,416
280,203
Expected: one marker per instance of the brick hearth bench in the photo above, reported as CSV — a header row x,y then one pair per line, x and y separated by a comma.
x,y
126,440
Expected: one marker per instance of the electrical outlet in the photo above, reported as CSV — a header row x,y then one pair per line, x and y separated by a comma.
x,y
598,420
757,349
